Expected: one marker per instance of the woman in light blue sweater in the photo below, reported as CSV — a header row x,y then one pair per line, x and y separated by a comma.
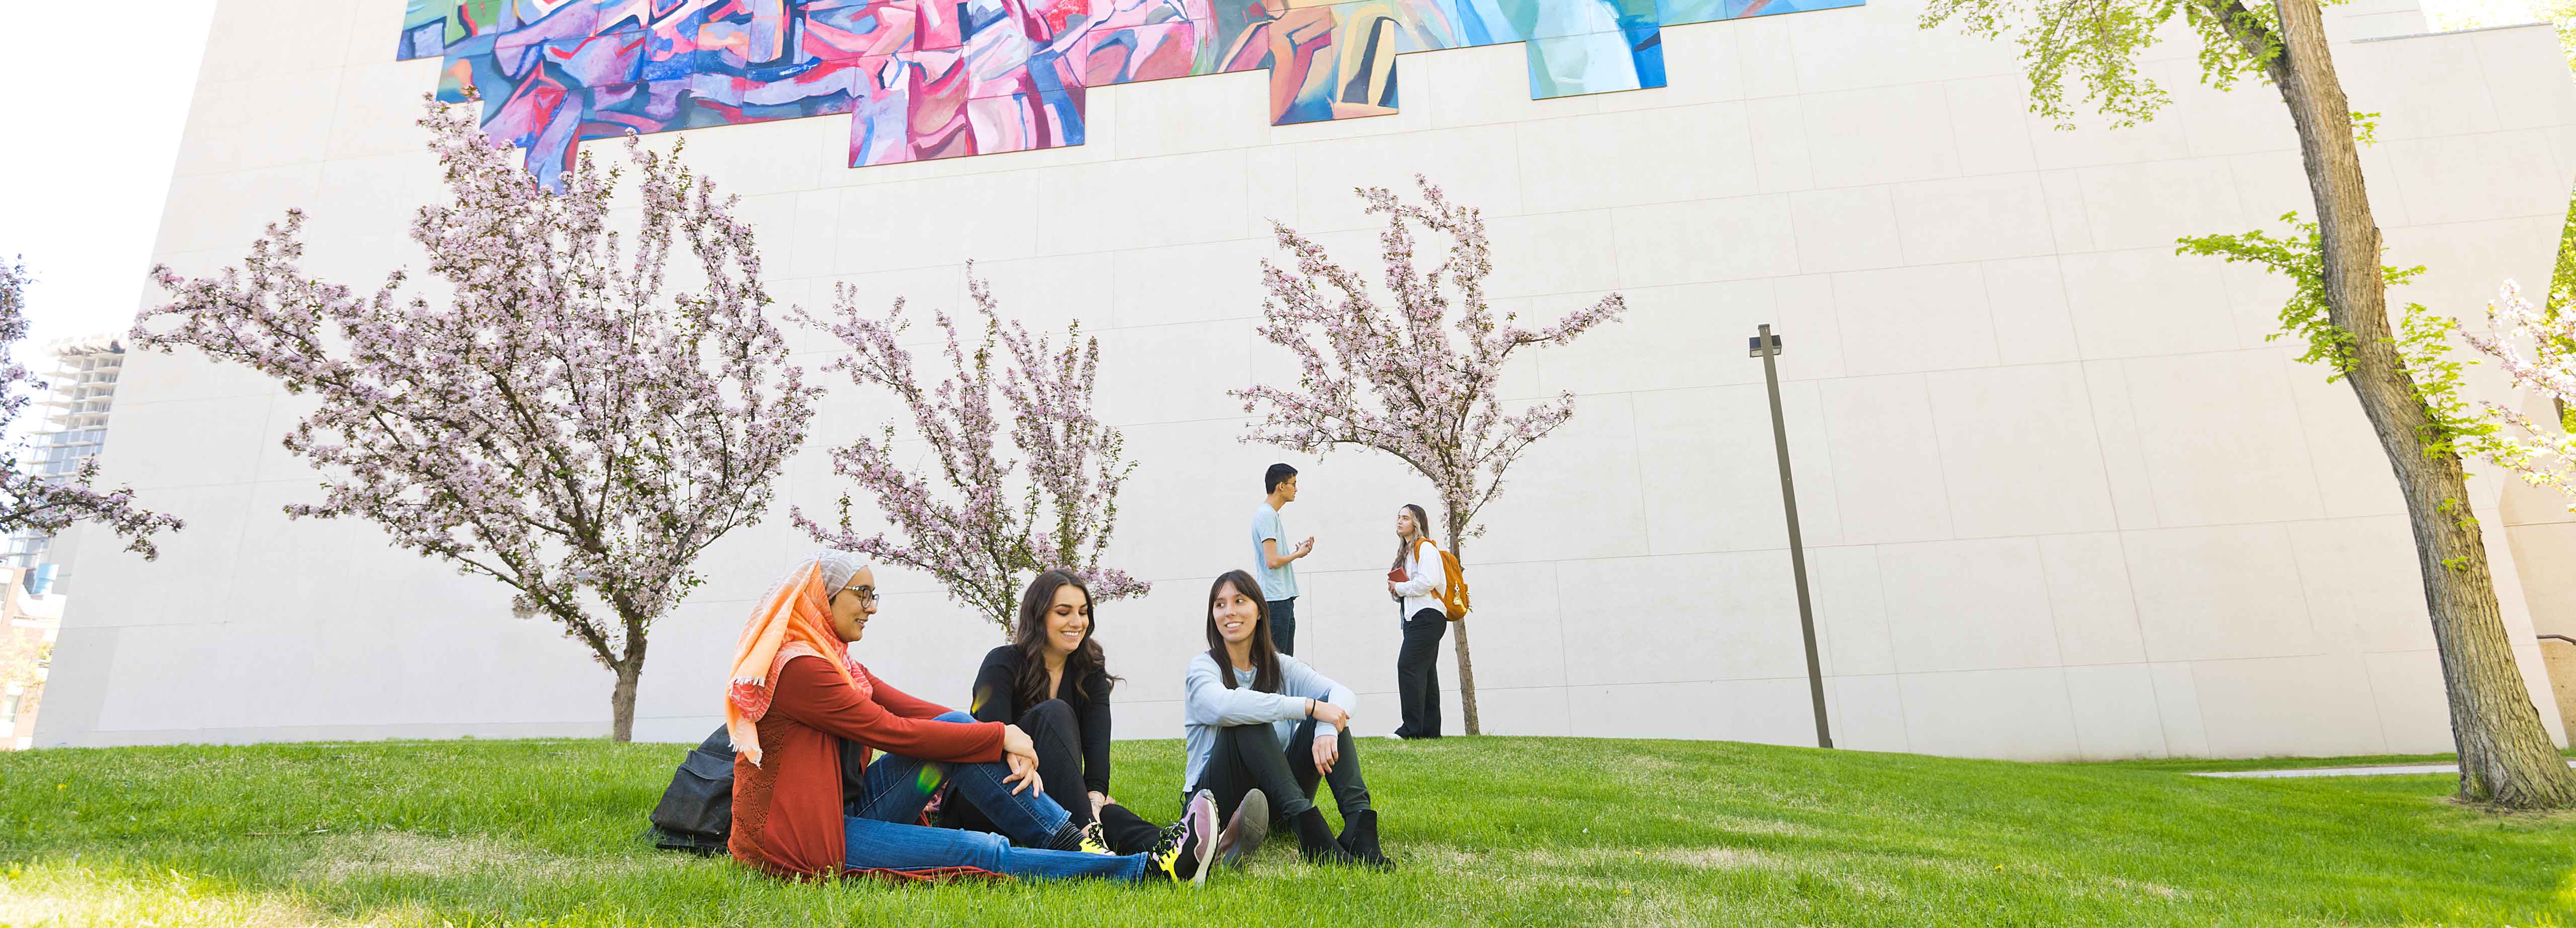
x,y
1262,728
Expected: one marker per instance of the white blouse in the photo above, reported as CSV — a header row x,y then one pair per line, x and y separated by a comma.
x,y
1423,578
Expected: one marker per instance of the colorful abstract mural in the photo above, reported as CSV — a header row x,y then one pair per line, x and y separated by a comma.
x,y
928,79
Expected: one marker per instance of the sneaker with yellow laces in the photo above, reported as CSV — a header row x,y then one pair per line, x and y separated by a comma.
x,y
1093,842
1186,845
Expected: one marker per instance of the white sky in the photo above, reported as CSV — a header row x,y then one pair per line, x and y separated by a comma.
x,y
97,127
91,142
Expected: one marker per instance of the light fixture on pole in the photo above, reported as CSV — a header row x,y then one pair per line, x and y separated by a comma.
x,y
1766,346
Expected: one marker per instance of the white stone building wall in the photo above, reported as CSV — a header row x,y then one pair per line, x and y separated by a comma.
x,y
2062,497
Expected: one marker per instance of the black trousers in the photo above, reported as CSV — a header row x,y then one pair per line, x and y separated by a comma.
x,y
1417,674
1057,733
1283,625
1250,756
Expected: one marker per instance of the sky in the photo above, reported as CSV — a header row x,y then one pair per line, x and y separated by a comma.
x,y
93,139
83,203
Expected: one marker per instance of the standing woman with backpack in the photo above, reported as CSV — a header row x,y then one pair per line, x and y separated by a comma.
x,y
1416,583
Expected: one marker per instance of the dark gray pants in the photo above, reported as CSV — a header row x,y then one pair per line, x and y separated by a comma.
x,y
1283,625
1417,674
1250,756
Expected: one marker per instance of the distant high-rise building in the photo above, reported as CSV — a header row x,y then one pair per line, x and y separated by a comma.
x,y
80,389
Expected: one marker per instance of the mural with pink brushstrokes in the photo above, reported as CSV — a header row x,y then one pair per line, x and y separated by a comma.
x,y
926,79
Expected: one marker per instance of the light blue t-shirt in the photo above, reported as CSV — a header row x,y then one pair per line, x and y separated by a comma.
x,y
1276,584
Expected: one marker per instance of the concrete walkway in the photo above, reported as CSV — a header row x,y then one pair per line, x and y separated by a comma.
x,y
2377,770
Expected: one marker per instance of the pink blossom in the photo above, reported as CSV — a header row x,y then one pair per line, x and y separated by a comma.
x,y
560,423
2545,455
52,503
1420,380
983,524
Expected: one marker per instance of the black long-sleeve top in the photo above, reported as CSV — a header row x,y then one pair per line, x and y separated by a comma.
x,y
997,699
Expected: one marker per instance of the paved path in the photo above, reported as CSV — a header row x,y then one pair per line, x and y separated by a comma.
x,y
2378,770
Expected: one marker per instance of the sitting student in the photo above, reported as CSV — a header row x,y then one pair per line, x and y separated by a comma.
x,y
1256,718
1052,681
796,687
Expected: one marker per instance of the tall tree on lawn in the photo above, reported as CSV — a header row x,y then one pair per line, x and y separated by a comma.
x,y
556,421
2340,308
1420,380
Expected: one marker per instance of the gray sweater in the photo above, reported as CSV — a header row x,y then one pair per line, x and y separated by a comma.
x,y
1206,705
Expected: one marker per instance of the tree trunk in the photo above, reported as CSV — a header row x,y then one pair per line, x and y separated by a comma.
x,y
2506,757
621,701
1466,668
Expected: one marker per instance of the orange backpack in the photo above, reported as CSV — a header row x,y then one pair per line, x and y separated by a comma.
x,y
1453,584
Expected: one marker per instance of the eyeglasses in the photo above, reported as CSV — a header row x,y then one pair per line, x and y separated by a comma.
x,y
867,596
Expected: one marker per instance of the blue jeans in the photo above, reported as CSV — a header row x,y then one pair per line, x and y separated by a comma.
x,y
875,845
896,788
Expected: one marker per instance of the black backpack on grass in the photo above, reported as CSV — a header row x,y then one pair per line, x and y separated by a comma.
x,y
696,812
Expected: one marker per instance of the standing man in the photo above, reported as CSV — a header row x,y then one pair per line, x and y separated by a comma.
x,y
1273,561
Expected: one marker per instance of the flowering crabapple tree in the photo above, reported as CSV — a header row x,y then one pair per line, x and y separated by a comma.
x,y
51,503
559,424
979,522
1419,380
2543,455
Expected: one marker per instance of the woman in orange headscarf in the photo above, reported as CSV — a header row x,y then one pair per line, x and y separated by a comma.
x,y
796,688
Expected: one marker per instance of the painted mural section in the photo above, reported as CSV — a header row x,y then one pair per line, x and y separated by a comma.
x,y
926,79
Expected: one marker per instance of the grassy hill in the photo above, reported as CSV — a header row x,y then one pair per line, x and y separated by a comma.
x,y
1511,831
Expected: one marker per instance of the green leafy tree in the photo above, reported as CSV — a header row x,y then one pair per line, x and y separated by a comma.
x,y
2092,48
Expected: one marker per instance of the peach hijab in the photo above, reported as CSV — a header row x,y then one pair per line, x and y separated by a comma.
x,y
794,619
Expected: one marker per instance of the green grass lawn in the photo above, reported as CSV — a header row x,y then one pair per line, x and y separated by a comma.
x,y
1487,831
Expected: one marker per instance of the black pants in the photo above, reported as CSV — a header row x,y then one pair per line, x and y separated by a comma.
x,y
1052,726
1283,625
1250,756
1417,674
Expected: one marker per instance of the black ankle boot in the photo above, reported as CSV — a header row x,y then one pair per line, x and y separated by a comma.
x,y
1359,839
1315,839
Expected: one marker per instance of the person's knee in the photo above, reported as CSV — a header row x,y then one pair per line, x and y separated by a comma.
x,y
1053,713
1256,732
984,850
1250,741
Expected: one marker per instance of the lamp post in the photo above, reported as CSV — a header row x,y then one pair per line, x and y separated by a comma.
x,y
1767,346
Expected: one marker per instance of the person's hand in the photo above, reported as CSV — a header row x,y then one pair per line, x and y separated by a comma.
x,y
1327,751
1021,754
1390,588
1330,714
1024,774
1306,547
1099,801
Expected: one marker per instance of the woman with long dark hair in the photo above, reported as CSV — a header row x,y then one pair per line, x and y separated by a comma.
x,y
1262,728
1415,582
1053,682
797,692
